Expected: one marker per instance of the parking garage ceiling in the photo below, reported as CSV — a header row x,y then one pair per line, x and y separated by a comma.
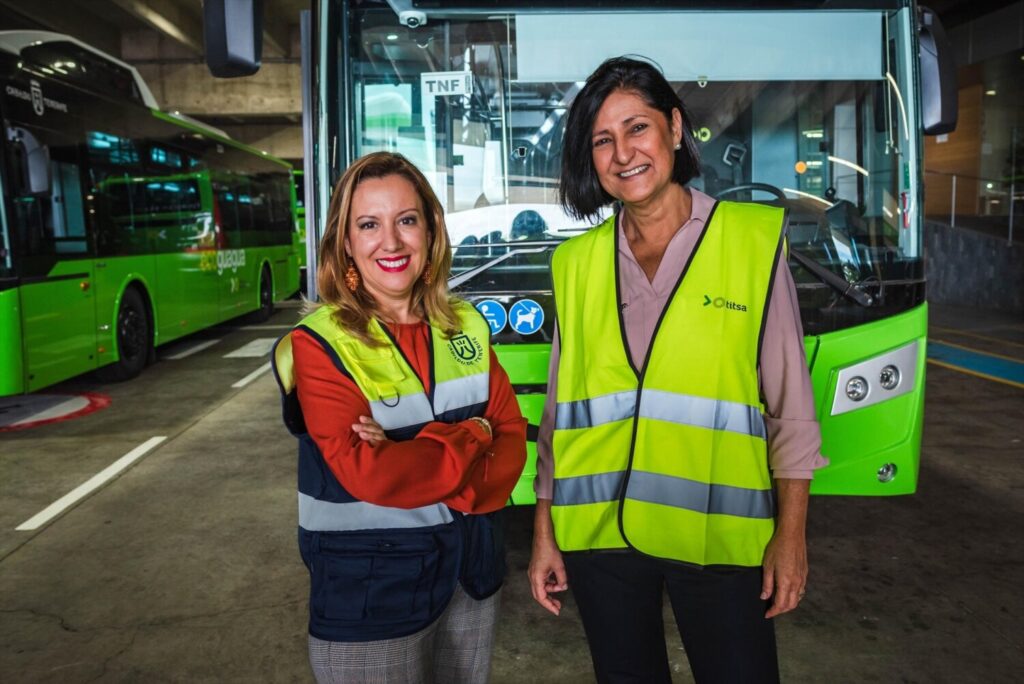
x,y
103,22
163,39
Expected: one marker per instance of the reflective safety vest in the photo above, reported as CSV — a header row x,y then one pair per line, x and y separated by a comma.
x,y
669,459
380,572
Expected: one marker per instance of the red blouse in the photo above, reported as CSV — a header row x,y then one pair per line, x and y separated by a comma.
x,y
455,464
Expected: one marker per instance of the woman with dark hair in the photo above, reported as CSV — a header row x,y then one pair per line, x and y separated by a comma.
x,y
679,435
410,442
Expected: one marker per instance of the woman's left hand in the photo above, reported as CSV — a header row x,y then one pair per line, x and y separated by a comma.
x,y
369,430
785,572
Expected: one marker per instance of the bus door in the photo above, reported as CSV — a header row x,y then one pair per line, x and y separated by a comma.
x,y
46,213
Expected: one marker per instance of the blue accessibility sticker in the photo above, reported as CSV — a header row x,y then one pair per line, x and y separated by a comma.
x,y
527,316
494,313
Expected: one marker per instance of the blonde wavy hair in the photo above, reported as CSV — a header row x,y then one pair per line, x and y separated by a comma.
x,y
354,310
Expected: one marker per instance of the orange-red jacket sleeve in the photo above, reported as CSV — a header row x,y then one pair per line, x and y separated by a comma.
x,y
428,469
493,477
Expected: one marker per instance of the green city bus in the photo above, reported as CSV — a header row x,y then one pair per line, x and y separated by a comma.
x,y
816,106
122,227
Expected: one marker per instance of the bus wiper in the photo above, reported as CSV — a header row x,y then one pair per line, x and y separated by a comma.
x,y
843,286
826,276
455,281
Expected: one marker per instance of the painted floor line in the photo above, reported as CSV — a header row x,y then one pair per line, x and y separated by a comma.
x,y
254,349
189,351
252,376
977,363
972,350
977,336
983,376
90,485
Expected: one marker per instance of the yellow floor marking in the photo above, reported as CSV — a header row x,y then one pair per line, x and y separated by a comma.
x,y
976,374
979,336
977,351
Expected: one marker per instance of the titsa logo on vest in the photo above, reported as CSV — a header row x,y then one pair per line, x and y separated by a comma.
x,y
465,349
723,303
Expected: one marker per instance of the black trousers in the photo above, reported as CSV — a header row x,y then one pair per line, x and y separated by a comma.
x,y
719,613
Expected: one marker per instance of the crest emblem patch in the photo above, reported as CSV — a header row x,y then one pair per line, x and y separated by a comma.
x,y
465,349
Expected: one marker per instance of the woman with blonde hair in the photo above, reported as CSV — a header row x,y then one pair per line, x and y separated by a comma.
x,y
410,442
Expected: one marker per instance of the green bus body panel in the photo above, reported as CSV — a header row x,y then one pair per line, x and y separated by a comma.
x,y
58,325
12,367
527,365
59,329
856,443
859,442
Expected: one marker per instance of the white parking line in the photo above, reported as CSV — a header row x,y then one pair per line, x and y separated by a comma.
x,y
252,376
255,349
93,483
189,351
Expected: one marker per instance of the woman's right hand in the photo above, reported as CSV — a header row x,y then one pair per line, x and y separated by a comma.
x,y
547,570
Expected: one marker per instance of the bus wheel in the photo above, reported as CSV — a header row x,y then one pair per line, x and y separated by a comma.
x,y
266,308
134,339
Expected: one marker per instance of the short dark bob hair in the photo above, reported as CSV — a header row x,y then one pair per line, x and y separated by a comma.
x,y
580,191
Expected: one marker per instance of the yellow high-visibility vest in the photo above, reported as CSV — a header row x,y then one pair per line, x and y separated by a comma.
x,y
669,459
460,368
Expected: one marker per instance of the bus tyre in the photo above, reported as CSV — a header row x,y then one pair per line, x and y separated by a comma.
x,y
266,302
134,339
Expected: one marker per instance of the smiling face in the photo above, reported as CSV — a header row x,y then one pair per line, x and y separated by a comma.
x,y
387,237
633,148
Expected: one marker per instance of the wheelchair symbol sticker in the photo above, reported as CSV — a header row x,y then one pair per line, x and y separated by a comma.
x,y
494,313
526,316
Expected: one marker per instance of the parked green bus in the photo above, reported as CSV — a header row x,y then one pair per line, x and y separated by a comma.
x,y
122,227
816,106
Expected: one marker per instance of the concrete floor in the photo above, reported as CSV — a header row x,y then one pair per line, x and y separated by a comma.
x,y
185,568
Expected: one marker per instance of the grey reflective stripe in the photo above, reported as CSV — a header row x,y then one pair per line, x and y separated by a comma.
x,y
702,412
702,497
326,516
461,392
585,413
586,489
402,411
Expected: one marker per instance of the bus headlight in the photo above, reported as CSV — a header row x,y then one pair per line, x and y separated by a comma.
x,y
857,388
889,378
895,371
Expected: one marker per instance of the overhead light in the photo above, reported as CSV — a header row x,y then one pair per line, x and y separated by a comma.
x,y
990,92
392,36
849,164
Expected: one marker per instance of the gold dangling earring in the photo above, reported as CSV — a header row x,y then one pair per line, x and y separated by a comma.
x,y
352,278
427,278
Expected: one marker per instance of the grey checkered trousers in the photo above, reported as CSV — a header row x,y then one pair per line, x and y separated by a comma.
x,y
455,649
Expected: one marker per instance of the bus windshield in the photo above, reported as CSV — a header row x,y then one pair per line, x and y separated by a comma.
x,y
811,110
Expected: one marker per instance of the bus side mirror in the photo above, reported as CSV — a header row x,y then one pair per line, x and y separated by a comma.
x,y
938,75
31,161
233,36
